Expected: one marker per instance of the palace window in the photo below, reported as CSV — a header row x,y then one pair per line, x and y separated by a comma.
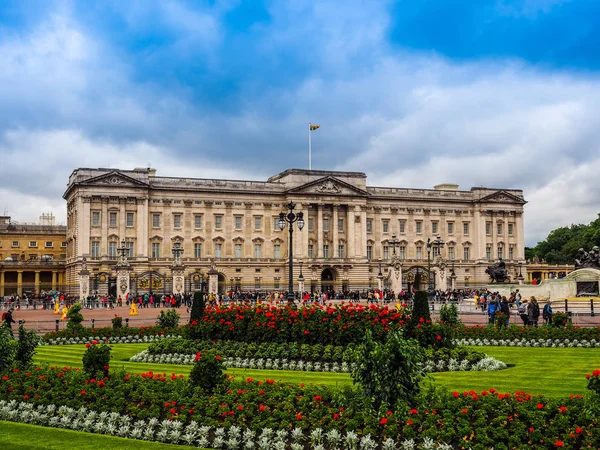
x,y
369,252
466,253
238,250
419,252
198,222
341,251
340,225
450,227
155,220
112,219
466,228
176,220
197,250
434,227
257,250
488,228
385,224
63,244
15,244
325,224
499,227
276,223
386,252
436,251
418,227
277,251
218,250
130,219
488,253
257,283
156,249
500,252
112,249
511,252
257,223
49,244
325,251
95,249
451,253
95,218
402,226
369,225
276,283
510,229
218,222
32,244
129,246
311,224
402,252
238,222
310,250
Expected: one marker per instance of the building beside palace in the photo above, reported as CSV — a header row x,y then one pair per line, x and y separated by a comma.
x,y
231,228
32,256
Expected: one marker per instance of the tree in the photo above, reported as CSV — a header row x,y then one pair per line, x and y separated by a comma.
x,y
420,308
197,307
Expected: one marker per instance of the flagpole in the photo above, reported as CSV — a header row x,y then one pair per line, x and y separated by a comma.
x,y
309,149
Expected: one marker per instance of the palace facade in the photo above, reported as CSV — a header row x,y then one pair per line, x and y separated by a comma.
x,y
32,256
352,233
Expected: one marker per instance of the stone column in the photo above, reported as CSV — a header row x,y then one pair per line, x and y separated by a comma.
x,y
123,279
335,231
84,282
319,231
37,282
395,270
2,284
350,231
362,239
104,228
54,280
213,283
19,282
84,223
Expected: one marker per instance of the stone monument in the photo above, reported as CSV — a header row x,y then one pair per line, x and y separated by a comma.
x,y
84,280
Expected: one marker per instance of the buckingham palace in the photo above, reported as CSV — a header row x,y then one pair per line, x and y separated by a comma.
x,y
169,234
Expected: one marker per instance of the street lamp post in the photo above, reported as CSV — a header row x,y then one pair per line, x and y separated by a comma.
x,y
453,279
520,277
290,218
380,276
393,242
436,243
300,282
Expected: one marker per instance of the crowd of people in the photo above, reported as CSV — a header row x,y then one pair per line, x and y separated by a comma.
x,y
499,307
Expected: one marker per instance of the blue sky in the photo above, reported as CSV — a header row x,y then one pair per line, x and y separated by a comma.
x,y
498,93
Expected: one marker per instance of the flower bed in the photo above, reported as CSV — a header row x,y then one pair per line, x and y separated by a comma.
x,y
483,363
529,342
513,332
129,339
477,420
142,334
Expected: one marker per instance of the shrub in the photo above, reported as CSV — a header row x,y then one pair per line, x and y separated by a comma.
x,y
449,315
560,319
8,350
75,318
594,381
28,341
168,319
387,372
207,373
117,322
420,308
96,360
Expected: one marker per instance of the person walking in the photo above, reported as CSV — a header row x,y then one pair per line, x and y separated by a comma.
x,y
505,309
524,312
547,313
533,312
8,321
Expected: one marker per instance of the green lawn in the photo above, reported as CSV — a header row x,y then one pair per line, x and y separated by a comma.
x,y
18,436
550,371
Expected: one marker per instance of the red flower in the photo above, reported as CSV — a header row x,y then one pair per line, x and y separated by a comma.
x,y
439,338
4,378
562,409
559,444
336,416
317,398
409,422
531,429
240,407
464,411
218,357
83,392
456,394
87,345
389,413
306,332
383,421
299,416
578,430
413,411
540,406
198,356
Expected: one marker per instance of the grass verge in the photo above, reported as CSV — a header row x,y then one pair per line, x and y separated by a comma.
x,y
18,436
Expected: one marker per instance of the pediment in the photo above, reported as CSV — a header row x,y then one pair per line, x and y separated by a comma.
x,y
114,178
328,186
502,197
